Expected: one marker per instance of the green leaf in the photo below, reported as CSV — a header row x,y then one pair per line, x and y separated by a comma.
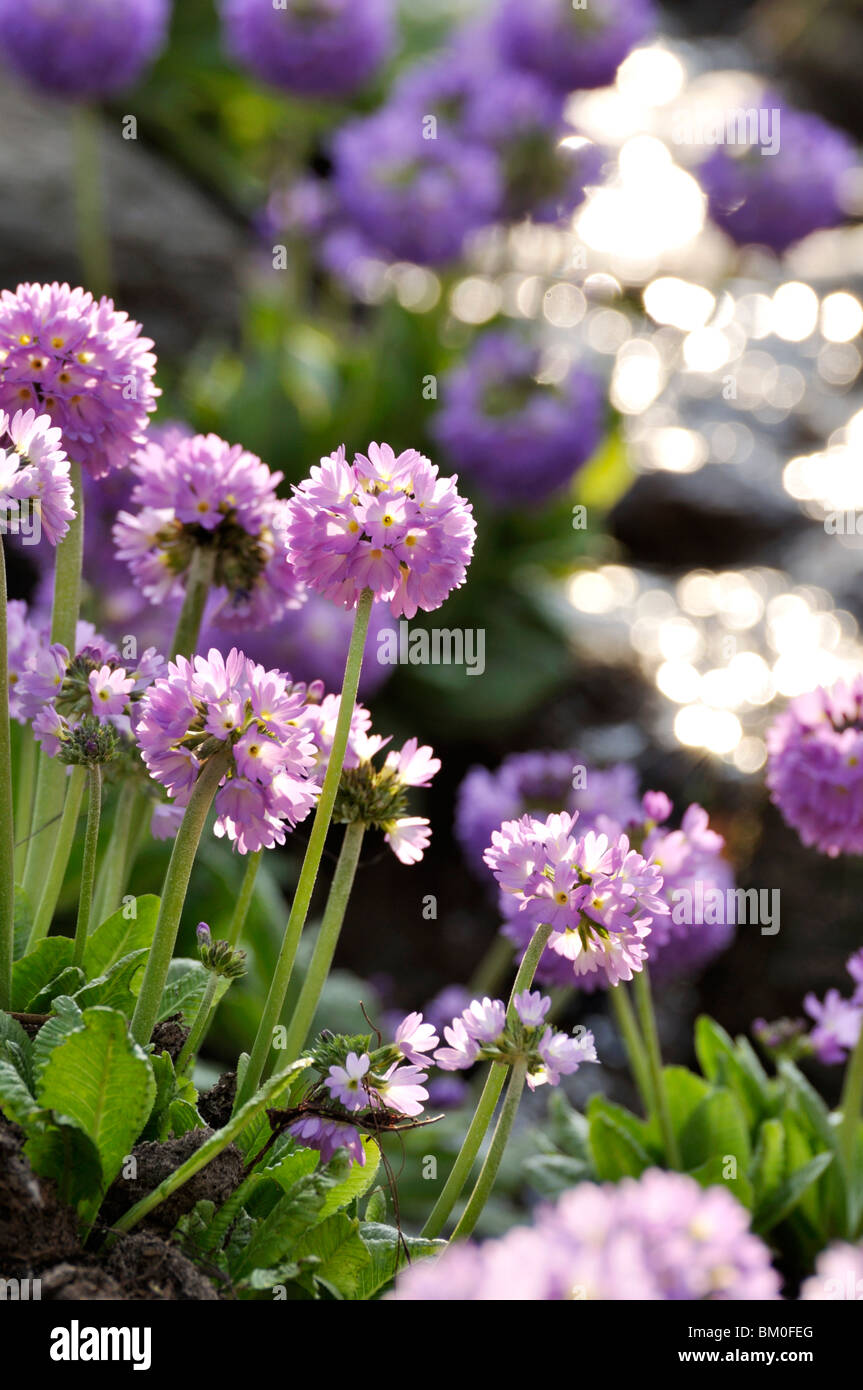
x,y
768,1164
100,1079
337,1245
685,1091
551,1174
183,1116
113,989
33,972
65,1153
713,1174
16,1099
376,1206
387,1251
119,935
721,1064
67,1019
11,1031
785,1199
275,1235
809,1103
568,1128
615,1153
184,988
23,922
356,1184
64,984
717,1126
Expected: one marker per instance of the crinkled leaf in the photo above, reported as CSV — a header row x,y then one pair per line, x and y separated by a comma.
x,y
121,934
66,984
65,1153
184,988
357,1182
16,1099
337,1245
387,1251
113,989
274,1236
34,971
66,1019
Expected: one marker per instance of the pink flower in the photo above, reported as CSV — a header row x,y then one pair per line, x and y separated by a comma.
x,y
347,1084
409,838
401,1089
413,1038
109,690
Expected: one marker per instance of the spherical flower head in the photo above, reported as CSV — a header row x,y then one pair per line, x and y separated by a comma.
x,y
36,496
413,198
815,767
83,363
233,707
571,47
521,440
659,1237
413,1038
315,48
198,493
388,523
541,781
838,1275
775,198
837,1026
84,51
588,888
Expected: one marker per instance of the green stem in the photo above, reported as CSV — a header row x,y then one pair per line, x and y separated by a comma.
x,y
328,936
51,776
488,1100
244,901
94,246
314,851
850,1106
198,582
199,1027
174,895
209,1150
7,824
88,866
647,1017
488,1172
634,1044
60,857
113,870
24,791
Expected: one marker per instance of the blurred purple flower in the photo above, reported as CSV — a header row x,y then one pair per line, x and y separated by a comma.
x,y
82,49
815,767
315,48
571,47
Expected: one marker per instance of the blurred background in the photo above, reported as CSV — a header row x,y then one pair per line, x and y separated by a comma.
x,y
678,324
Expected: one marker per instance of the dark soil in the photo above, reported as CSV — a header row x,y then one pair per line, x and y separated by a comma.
x,y
170,1036
39,1237
215,1105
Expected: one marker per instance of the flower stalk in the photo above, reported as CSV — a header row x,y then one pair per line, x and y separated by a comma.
x,y
647,1017
88,868
74,787
7,823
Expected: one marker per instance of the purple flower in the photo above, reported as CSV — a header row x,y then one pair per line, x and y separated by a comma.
x,y
415,198
401,1089
567,46
463,1050
815,767
328,1136
26,636
837,1025
82,362
86,50
854,966
413,1038
317,48
521,440
484,1019
590,889
34,471
482,1031
386,522
532,1007
660,1237
838,1275
540,781
199,492
348,1084
778,198
561,1055
211,704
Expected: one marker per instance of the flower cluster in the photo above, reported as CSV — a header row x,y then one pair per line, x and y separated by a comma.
x,y
658,1237
199,493
220,957
571,46
83,51
319,48
25,637
598,894
838,1275
777,201
361,1088
34,472
815,767
482,1032
81,706
387,523
837,1020
521,440
236,710
82,362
